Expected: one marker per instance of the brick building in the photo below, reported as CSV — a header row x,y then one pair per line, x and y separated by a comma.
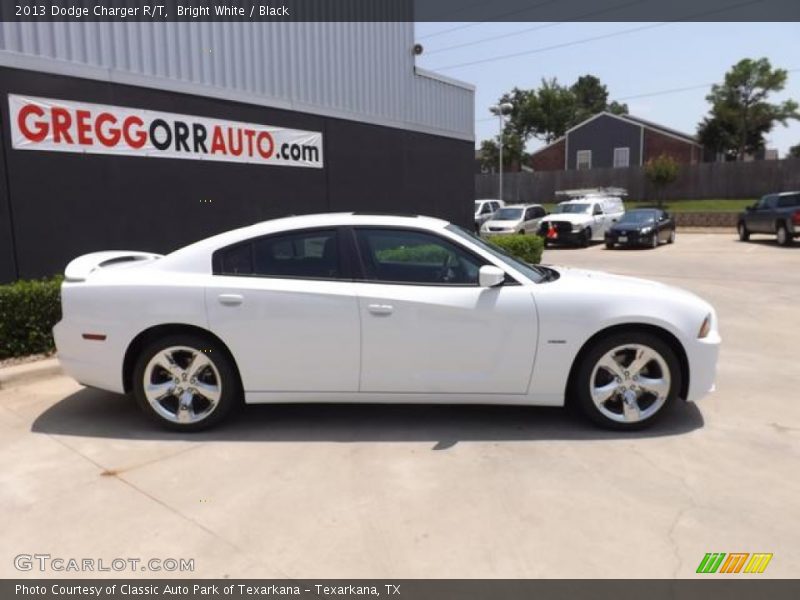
x,y
607,140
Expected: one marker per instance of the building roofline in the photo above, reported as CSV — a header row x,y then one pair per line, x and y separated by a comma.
x,y
443,79
553,143
639,122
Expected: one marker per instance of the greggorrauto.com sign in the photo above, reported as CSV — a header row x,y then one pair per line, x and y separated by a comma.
x,y
65,126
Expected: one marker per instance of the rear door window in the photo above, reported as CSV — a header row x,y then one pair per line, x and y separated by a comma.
x,y
304,254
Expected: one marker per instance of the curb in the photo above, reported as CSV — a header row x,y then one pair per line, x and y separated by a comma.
x,y
29,372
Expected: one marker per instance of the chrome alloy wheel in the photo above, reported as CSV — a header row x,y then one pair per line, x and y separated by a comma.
x,y
182,384
630,383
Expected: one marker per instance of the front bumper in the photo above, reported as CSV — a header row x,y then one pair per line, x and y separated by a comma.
x,y
563,235
702,355
632,238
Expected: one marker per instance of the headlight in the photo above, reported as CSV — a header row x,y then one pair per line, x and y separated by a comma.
x,y
646,230
705,328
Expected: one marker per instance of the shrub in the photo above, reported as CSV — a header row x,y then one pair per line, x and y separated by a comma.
x,y
422,254
28,311
527,248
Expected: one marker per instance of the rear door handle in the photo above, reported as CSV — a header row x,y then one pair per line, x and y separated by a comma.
x,y
380,309
230,299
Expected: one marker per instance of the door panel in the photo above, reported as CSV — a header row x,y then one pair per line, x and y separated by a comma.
x,y
288,335
446,339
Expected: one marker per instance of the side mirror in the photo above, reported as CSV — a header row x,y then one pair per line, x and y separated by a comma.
x,y
491,276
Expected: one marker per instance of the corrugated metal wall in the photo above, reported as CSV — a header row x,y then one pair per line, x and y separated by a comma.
x,y
359,71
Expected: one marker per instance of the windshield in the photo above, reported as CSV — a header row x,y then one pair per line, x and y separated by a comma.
x,y
572,208
638,216
532,272
508,214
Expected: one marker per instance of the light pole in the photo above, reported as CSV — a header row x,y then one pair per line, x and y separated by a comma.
x,y
501,110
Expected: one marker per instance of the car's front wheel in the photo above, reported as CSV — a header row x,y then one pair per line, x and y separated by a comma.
x,y
744,235
627,380
185,382
671,239
587,237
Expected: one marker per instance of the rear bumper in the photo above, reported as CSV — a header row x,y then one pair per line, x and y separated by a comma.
x,y
93,363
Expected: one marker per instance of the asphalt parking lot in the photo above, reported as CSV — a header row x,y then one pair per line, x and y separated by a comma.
x,y
418,492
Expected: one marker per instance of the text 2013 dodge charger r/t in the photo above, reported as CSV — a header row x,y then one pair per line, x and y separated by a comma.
x,y
368,308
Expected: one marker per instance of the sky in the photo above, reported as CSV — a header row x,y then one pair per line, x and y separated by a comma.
x,y
636,61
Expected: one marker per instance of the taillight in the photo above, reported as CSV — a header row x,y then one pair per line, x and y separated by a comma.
x,y
796,218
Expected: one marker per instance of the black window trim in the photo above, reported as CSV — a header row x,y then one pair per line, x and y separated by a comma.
x,y
359,271
343,255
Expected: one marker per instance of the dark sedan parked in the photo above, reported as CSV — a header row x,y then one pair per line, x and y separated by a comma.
x,y
642,227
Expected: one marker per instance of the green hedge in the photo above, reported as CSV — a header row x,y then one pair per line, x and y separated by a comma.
x,y
28,311
527,248
421,254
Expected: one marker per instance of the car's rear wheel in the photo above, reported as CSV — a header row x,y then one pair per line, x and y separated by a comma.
x,y
744,235
627,381
185,382
609,245
782,235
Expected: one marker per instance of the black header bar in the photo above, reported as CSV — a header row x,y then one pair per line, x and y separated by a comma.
x,y
399,10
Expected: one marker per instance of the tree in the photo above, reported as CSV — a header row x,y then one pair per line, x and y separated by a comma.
x,y
661,171
548,111
794,151
740,115
513,152
591,97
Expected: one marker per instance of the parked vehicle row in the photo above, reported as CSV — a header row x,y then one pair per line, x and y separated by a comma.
x,y
587,216
774,214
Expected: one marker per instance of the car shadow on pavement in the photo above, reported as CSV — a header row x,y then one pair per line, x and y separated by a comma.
x,y
94,413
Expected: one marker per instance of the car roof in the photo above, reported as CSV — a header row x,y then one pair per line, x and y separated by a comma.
x,y
787,193
522,205
185,258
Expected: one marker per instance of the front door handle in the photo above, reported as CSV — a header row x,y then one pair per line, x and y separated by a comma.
x,y
380,309
230,299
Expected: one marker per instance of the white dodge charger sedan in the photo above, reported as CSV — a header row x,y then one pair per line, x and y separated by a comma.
x,y
375,308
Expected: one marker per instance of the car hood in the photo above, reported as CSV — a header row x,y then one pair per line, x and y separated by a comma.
x,y
608,284
568,217
493,223
631,226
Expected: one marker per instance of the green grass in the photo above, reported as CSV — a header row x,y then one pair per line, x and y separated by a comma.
x,y
687,206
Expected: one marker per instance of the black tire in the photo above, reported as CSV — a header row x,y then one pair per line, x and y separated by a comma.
x,y
654,241
782,235
671,238
229,387
744,235
609,245
587,237
580,386
521,232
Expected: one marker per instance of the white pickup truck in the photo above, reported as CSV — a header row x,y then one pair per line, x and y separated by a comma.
x,y
581,220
